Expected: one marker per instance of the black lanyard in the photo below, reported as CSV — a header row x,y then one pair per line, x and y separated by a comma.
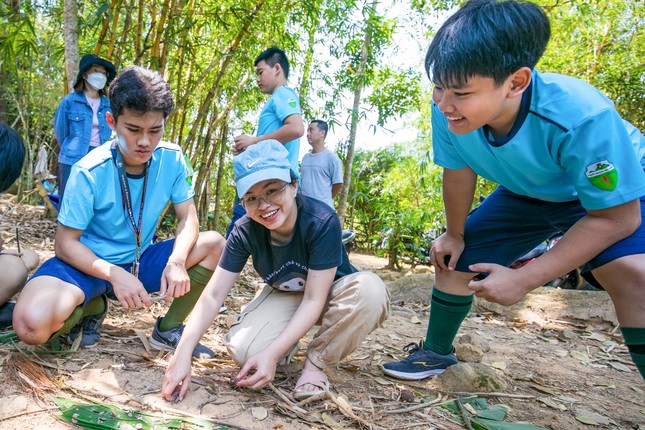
x,y
126,198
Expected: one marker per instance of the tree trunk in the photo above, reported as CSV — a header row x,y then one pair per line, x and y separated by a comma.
x,y
138,47
224,61
351,143
107,19
115,52
115,29
70,34
218,122
305,81
220,175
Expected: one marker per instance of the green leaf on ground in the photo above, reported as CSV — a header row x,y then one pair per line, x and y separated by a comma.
x,y
108,417
488,417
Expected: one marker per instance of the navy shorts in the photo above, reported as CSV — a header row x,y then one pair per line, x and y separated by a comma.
x,y
507,225
151,266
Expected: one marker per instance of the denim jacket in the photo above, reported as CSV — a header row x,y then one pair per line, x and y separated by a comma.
x,y
73,126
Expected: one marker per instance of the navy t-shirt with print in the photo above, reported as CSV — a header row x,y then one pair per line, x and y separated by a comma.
x,y
316,244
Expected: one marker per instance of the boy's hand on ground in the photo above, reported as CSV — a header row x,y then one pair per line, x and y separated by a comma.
x,y
129,290
175,282
502,285
258,371
446,246
242,142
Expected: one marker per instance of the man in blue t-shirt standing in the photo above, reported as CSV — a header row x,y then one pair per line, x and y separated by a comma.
x,y
280,118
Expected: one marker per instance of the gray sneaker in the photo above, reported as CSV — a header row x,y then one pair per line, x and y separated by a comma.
x,y
90,327
420,364
170,339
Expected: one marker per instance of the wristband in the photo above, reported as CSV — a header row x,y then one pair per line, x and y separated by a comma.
x,y
176,263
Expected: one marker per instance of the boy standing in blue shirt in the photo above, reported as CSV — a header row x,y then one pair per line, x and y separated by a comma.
x,y
104,240
565,162
280,118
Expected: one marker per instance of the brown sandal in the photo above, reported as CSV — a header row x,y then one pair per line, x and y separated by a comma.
x,y
317,378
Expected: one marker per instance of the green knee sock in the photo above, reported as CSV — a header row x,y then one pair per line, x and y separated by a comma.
x,y
70,322
181,306
635,341
94,307
447,312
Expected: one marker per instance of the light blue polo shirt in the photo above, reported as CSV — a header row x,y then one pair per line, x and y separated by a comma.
x,y
568,143
283,103
92,201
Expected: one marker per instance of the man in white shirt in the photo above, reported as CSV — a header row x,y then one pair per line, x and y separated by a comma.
x,y
321,170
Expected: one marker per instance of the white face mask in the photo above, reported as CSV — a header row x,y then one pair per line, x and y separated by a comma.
x,y
97,80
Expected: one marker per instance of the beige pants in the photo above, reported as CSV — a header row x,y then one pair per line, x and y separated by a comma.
x,y
357,304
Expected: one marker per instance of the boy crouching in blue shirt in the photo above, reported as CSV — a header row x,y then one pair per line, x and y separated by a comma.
x,y
104,241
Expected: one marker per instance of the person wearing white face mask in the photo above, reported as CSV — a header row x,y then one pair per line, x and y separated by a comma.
x,y
80,123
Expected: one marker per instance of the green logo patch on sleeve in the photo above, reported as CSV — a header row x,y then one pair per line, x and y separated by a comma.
x,y
602,175
292,102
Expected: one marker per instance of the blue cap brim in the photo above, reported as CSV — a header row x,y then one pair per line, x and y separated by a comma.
x,y
244,184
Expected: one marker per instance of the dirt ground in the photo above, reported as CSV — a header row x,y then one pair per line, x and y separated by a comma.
x,y
555,360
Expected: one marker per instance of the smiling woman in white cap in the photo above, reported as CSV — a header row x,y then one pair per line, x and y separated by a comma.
x,y
80,123
295,244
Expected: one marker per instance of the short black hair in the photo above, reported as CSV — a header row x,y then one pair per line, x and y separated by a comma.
x,y
487,38
140,90
273,56
12,155
322,125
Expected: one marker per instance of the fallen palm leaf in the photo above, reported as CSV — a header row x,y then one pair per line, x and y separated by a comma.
x,y
485,417
108,417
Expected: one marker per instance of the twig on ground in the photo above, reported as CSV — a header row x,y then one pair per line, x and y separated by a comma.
x,y
35,358
342,407
413,408
464,415
442,425
312,399
123,351
39,411
286,399
493,394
